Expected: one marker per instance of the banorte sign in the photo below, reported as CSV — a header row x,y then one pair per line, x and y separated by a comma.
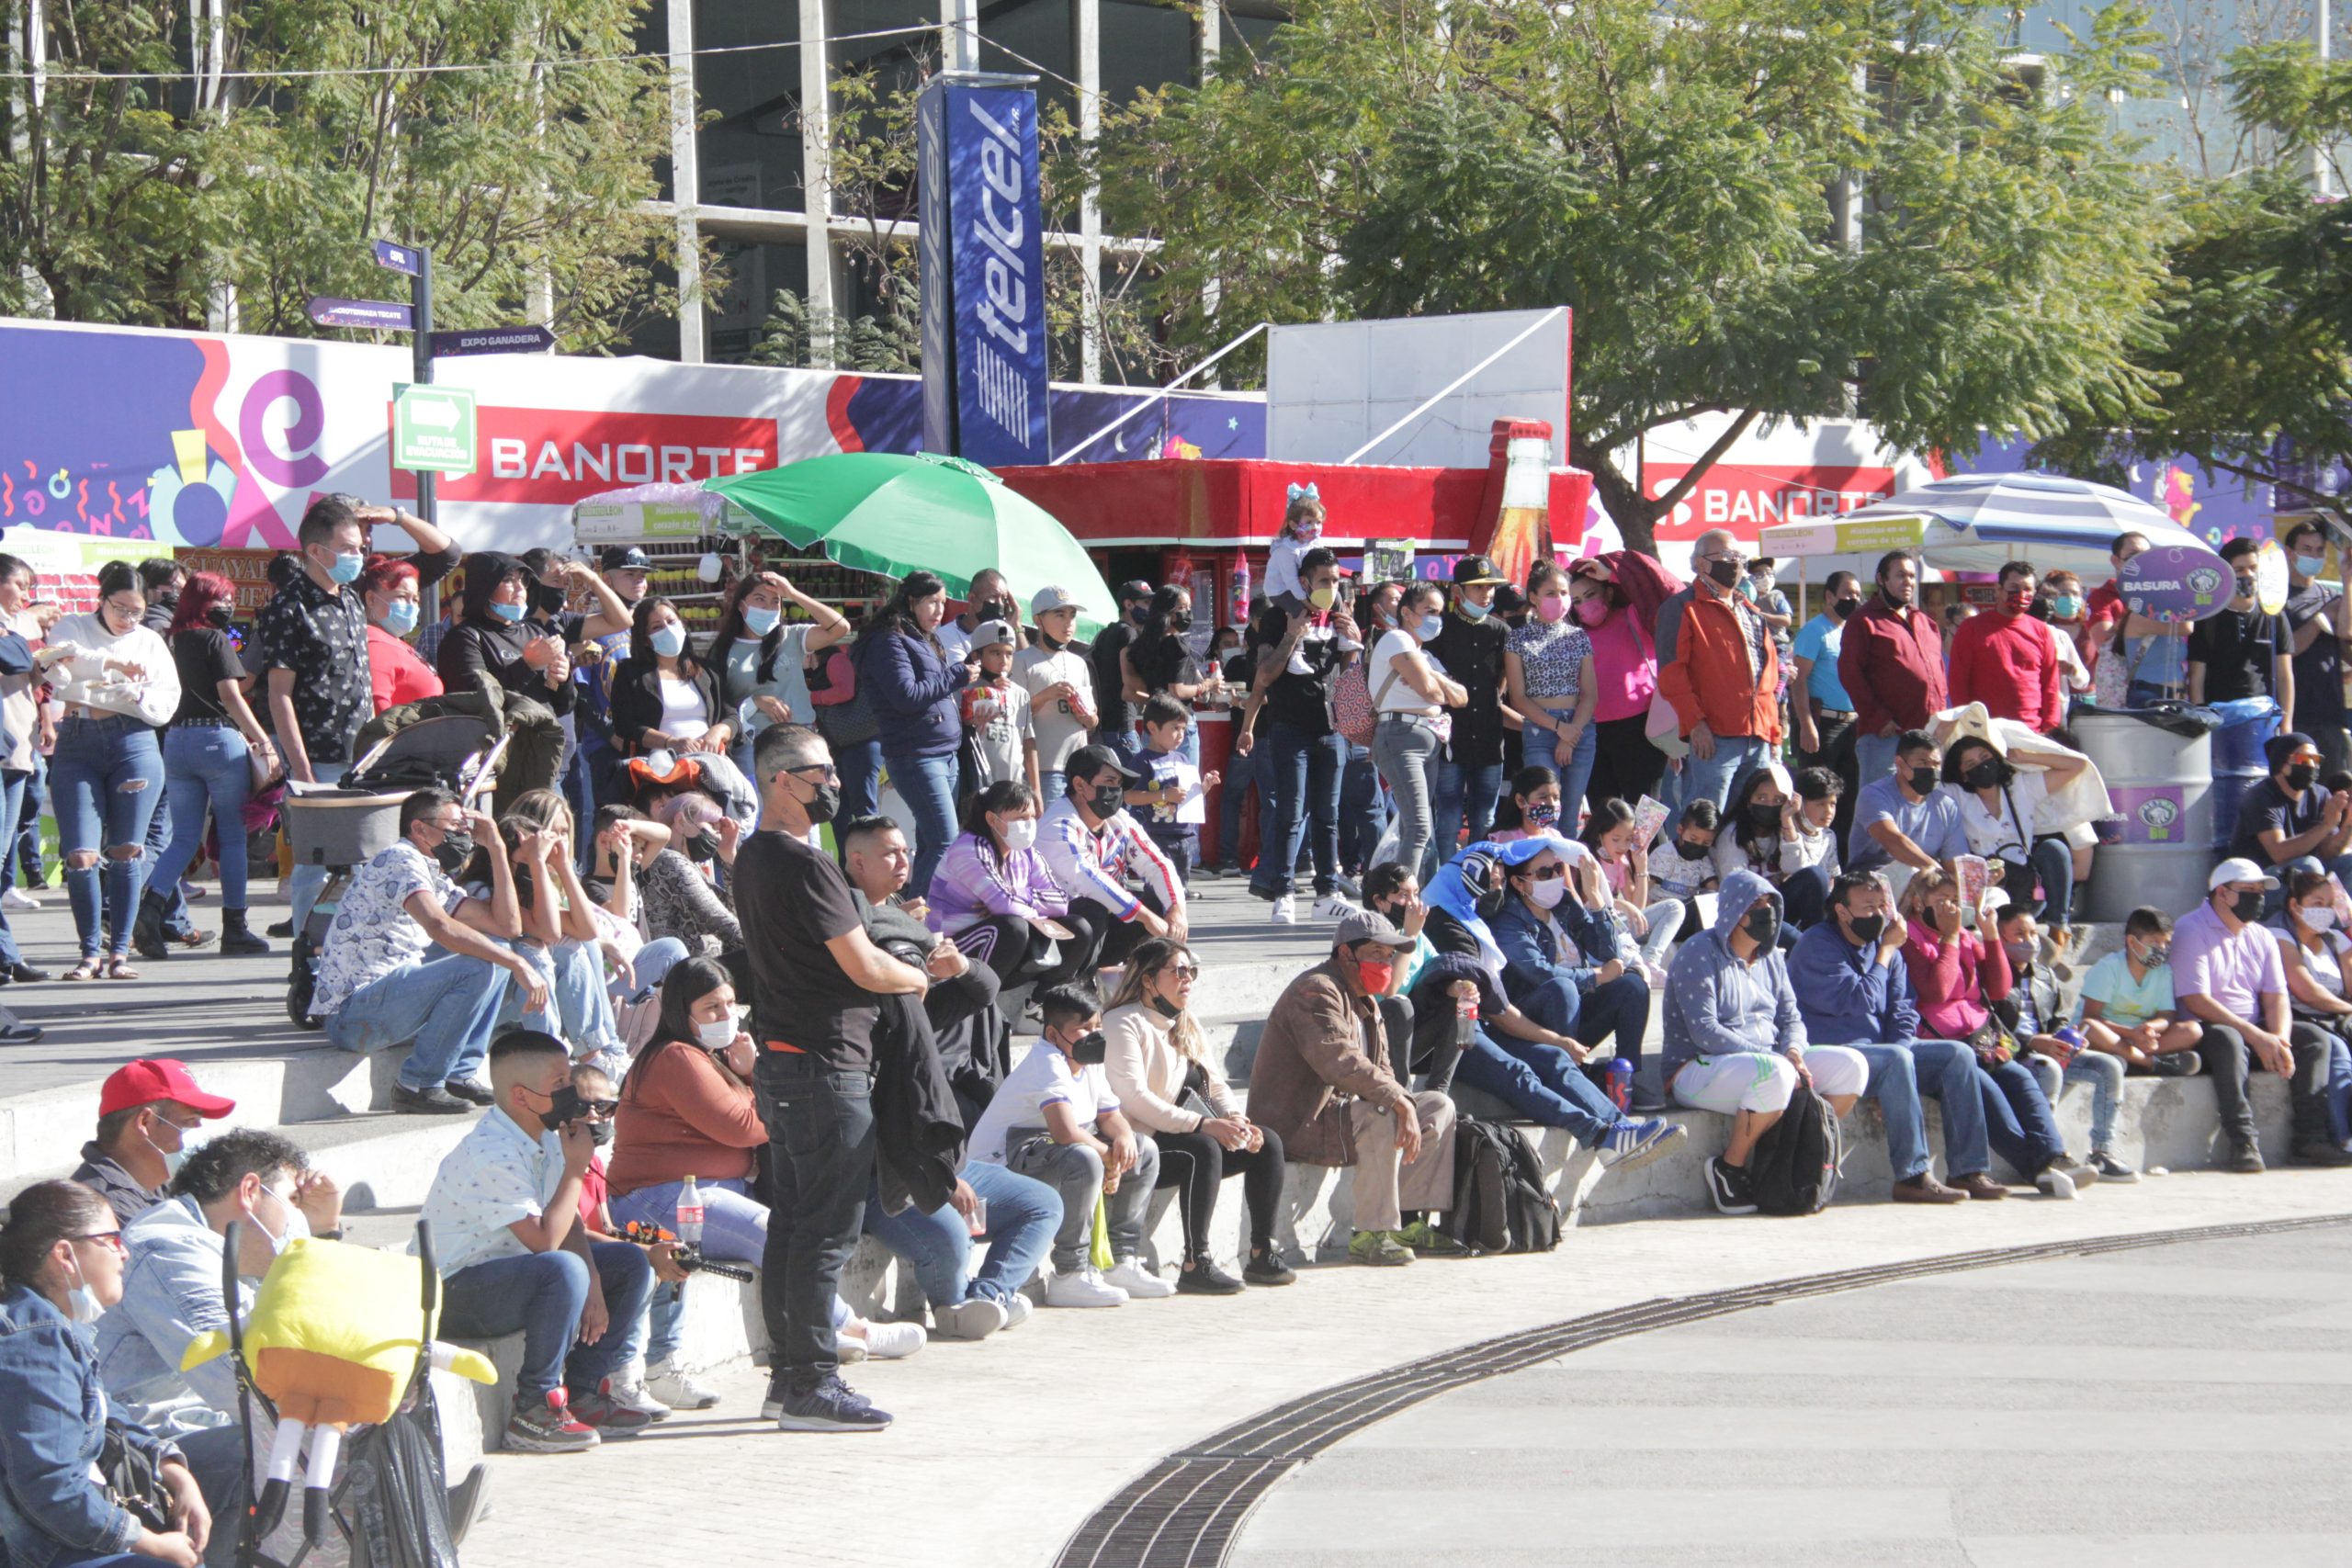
x,y
546,456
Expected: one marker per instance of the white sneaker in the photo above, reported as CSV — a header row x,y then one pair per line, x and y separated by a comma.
x,y
670,1384
1083,1287
1285,911
2055,1182
894,1341
1017,1309
1334,907
17,898
975,1317
1140,1283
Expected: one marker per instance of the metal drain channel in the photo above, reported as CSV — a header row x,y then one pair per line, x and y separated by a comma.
x,y
1186,1510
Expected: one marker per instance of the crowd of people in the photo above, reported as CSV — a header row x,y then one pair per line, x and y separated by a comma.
x,y
698,982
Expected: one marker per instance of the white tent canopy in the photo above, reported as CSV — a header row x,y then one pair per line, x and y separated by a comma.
x,y
1977,522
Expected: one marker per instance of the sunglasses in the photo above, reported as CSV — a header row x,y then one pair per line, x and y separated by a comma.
x,y
1550,873
1183,970
111,1240
822,770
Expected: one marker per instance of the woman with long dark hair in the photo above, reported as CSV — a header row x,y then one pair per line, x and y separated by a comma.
x,y
911,682
995,898
1160,661
206,750
762,663
665,699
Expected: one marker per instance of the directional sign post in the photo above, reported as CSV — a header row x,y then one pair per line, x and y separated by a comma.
x,y
433,430
381,315
492,340
400,258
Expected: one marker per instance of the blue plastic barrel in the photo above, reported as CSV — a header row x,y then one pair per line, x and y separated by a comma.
x,y
2239,762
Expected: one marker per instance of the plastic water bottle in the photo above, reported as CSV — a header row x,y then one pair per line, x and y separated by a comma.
x,y
1465,1019
1621,1083
690,1215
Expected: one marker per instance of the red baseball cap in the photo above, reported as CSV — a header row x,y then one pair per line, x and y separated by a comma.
x,y
147,1081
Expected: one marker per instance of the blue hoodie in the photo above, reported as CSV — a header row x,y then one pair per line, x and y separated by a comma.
x,y
1717,1005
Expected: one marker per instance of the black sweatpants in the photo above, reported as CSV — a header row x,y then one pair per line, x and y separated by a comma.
x,y
1196,1165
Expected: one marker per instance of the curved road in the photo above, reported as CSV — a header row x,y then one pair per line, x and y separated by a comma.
x,y
2166,1406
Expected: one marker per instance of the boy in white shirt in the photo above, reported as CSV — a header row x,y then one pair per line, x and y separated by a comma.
x,y
1171,798
998,733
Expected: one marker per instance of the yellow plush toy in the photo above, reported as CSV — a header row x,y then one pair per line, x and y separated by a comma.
x,y
333,1341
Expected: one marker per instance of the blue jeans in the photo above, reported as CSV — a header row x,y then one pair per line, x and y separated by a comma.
x,y
1619,1010
578,1011
579,792
1942,1070
734,1230
1736,757
1542,1083
2103,1074
2054,864
444,1010
1240,778
1575,770
16,789
204,765
821,1132
302,888
2338,1093
1804,894
159,838
1462,793
652,966
1023,1215
2017,1122
928,786
1305,771
542,1294
861,770
1364,813
1873,757
109,779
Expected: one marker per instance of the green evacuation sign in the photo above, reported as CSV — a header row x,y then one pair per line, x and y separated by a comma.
x,y
432,429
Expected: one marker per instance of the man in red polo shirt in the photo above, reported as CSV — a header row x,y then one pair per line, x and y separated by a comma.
x,y
1892,663
2008,660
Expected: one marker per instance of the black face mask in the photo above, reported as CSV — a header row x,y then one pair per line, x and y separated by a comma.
x,y
2302,776
1725,574
2248,907
1923,781
1763,924
1490,903
989,609
1139,614
1764,818
564,1106
1841,608
168,598
1165,1008
825,800
1987,775
1087,1050
1108,799
546,600
222,614
1182,621
600,1132
2245,587
1867,928
702,846
453,851
1690,850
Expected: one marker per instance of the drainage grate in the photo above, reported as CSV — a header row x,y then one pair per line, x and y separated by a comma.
x,y
1186,1510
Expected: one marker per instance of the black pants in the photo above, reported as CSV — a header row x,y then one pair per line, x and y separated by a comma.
x,y
1625,766
2230,1062
821,1132
1020,952
1836,754
1196,1165
1102,938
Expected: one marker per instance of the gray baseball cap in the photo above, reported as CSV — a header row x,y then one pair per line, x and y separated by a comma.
x,y
1370,925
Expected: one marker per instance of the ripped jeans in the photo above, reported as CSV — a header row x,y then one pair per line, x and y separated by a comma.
x,y
105,781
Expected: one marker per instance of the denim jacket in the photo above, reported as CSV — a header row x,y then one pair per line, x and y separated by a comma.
x,y
56,1420
171,1293
1532,956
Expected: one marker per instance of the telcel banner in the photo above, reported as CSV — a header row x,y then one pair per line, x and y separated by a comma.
x,y
983,270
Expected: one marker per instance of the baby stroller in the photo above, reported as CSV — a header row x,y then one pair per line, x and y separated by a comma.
x,y
341,826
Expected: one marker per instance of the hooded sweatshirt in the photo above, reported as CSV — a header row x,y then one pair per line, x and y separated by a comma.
x,y
1717,1005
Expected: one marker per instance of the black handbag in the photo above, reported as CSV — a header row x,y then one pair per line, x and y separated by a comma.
x,y
133,1480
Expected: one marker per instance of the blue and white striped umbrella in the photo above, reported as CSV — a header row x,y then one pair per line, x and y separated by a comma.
x,y
1976,522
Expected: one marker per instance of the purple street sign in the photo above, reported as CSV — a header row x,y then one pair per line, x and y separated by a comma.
x,y
2178,582
380,314
400,258
492,340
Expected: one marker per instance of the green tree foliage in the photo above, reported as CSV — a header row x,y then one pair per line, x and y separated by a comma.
x,y
1673,173
513,137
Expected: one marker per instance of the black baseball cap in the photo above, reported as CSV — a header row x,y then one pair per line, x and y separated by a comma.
x,y
624,558
1472,570
1090,762
1135,588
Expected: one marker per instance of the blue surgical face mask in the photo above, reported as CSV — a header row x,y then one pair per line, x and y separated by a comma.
x,y
506,612
400,619
760,622
1474,610
1429,626
668,640
348,566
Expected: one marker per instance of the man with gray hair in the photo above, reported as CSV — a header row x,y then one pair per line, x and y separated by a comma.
x,y
814,976
1718,668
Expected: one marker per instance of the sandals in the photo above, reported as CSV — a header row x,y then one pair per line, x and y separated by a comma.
x,y
87,969
121,969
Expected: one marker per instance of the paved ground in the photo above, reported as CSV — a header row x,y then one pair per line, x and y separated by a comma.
x,y
2181,1405
1003,1449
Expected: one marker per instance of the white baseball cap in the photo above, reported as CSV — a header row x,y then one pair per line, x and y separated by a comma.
x,y
1047,600
2238,869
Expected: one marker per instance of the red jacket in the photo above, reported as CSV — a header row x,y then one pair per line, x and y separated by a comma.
x,y
1893,669
1712,675
2009,664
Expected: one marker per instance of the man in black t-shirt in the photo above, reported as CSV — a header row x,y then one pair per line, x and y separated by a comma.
x,y
1301,755
2319,627
815,974
1118,727
1469,778
2242,652
2290,815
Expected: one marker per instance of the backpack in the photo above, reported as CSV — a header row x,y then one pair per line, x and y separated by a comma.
x,y
1500,1203
1351,711
1794,1167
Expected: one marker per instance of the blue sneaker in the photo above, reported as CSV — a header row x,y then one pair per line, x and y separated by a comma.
x,y
831,1406
1633,1144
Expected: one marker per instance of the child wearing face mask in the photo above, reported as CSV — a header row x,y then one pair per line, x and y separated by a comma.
x,y
2128,1007
2318,956
1652,920
2036,1007
1683,866
1531,807
1171,797
1302,526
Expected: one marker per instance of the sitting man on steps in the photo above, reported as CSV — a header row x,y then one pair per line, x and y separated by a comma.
x,y
1092,843
1852,986
1322,1084
1734,1038
147,1111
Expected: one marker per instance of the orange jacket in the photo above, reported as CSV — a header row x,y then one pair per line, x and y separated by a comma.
x,y
1709,677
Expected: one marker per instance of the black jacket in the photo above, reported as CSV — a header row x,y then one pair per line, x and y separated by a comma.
x,y
637,701
918,1127
476,653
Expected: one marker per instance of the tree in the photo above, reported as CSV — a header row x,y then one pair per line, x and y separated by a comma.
x,y
1673,174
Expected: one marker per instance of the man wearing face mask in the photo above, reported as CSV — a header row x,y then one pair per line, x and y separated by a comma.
x,y
990,599
1466,783
1718,668
2319,629
151,1118
2229,976
2008,661
1891,661
1090,844
1323,1084
410,960
263,1185
1302,755
1823,709
2245,652
1905,822
2290,815
1060,682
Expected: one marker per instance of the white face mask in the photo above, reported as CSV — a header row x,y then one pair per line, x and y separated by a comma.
x,y
1547,895
191,1140
298,1227
1021,833
719,1035
2319,917
81,1303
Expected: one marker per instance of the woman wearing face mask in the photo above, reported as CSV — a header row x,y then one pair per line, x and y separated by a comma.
x,y
677,895
1169,1086
1410,694
1549,677
664,699
2314,945
1625,766
1559,947
912,682
389,589
762,663
491,646
62,1258
559,933
2062,605
1160,661
204,765
995,898
1999,799
119,682
1771,835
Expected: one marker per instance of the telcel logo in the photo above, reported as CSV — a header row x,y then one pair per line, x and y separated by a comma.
x,y
1006,306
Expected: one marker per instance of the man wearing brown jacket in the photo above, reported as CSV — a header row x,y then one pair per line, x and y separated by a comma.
x,y
1322,1083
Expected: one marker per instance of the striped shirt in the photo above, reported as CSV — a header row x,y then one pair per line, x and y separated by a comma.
x,y
1094,864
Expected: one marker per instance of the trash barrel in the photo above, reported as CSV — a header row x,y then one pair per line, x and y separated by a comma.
x,y
2239,762
2158,846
